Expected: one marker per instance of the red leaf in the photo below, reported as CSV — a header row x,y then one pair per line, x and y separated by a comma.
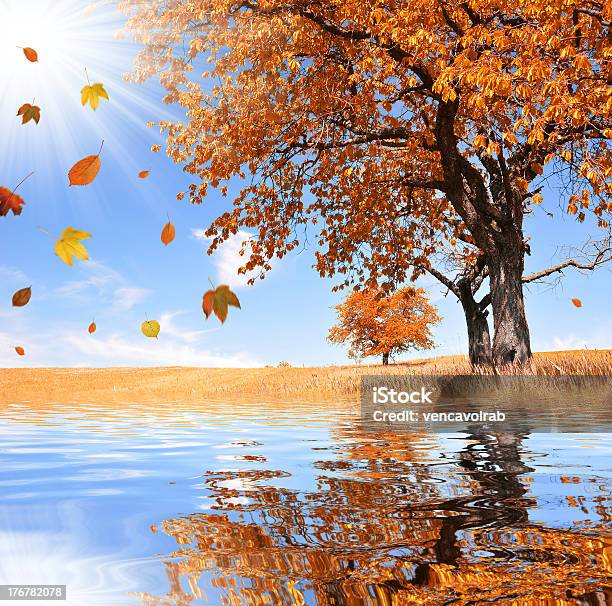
x,y
10,201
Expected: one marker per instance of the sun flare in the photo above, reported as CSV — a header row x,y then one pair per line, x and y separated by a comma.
x,y
56,29
78,43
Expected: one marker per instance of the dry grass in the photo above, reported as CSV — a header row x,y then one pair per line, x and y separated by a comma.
x,y
175,384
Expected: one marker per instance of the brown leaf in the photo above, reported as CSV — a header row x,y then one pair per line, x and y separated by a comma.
x,y
20,350
230,297
31,54
168,233
9,200
29,112
92,328
22,297
577,302
218,300
143,174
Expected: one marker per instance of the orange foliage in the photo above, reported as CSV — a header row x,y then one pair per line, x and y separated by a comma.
x,y
374,324
412,126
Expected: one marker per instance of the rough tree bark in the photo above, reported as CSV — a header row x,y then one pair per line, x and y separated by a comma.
x,y
479,337
385,359
464,288
511,342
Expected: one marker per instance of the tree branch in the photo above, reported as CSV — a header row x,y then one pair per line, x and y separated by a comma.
x,y
602,257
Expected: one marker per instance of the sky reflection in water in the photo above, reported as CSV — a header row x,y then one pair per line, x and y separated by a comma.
x,y
295,504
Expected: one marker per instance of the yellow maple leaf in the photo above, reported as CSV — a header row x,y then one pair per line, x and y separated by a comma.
x,y
91,94
69,245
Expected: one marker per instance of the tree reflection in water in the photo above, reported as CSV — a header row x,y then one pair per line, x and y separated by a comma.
x,y
388,526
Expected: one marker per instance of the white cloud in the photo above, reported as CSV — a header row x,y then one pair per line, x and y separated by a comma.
x,y
116,350
100,280
60,346
227,258
96,276
11,274
171,329
569,342
126,297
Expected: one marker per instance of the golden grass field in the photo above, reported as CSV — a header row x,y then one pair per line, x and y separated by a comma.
x,y
177,384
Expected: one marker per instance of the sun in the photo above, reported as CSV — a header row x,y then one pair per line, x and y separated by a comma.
x,y
77,43
52,27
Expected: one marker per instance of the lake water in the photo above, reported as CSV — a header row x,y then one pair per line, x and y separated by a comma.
x,y
176,505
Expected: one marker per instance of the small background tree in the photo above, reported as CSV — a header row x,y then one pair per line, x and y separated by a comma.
x,y
374,324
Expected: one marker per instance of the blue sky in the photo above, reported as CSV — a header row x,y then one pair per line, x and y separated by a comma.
x,y
131,274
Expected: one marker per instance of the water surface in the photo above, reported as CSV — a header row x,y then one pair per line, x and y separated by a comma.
x,y
225,503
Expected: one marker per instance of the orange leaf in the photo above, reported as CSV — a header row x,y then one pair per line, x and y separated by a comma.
x,y
10,201
85,170
207,303
92,328
577,302
168,233
29,112
20,350
143,174
31,54
22,297
218,300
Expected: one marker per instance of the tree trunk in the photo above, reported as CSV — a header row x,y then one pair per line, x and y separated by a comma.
x,y
386,359
511,343
479,337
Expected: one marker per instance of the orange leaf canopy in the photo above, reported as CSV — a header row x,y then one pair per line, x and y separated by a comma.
x,y
373,323
356,104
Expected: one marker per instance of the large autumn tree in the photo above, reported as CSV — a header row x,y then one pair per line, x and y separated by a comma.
x,y
444,114
377,324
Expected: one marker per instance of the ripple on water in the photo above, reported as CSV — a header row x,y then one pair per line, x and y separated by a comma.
x,y
275,504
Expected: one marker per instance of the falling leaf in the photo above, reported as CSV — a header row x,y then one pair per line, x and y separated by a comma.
x,y
92,328
22,297
91,94
218,300
168,233
143,174
10,201
85,170
20,350
70,245
577,302
89,9
29,112
31,54
150,328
